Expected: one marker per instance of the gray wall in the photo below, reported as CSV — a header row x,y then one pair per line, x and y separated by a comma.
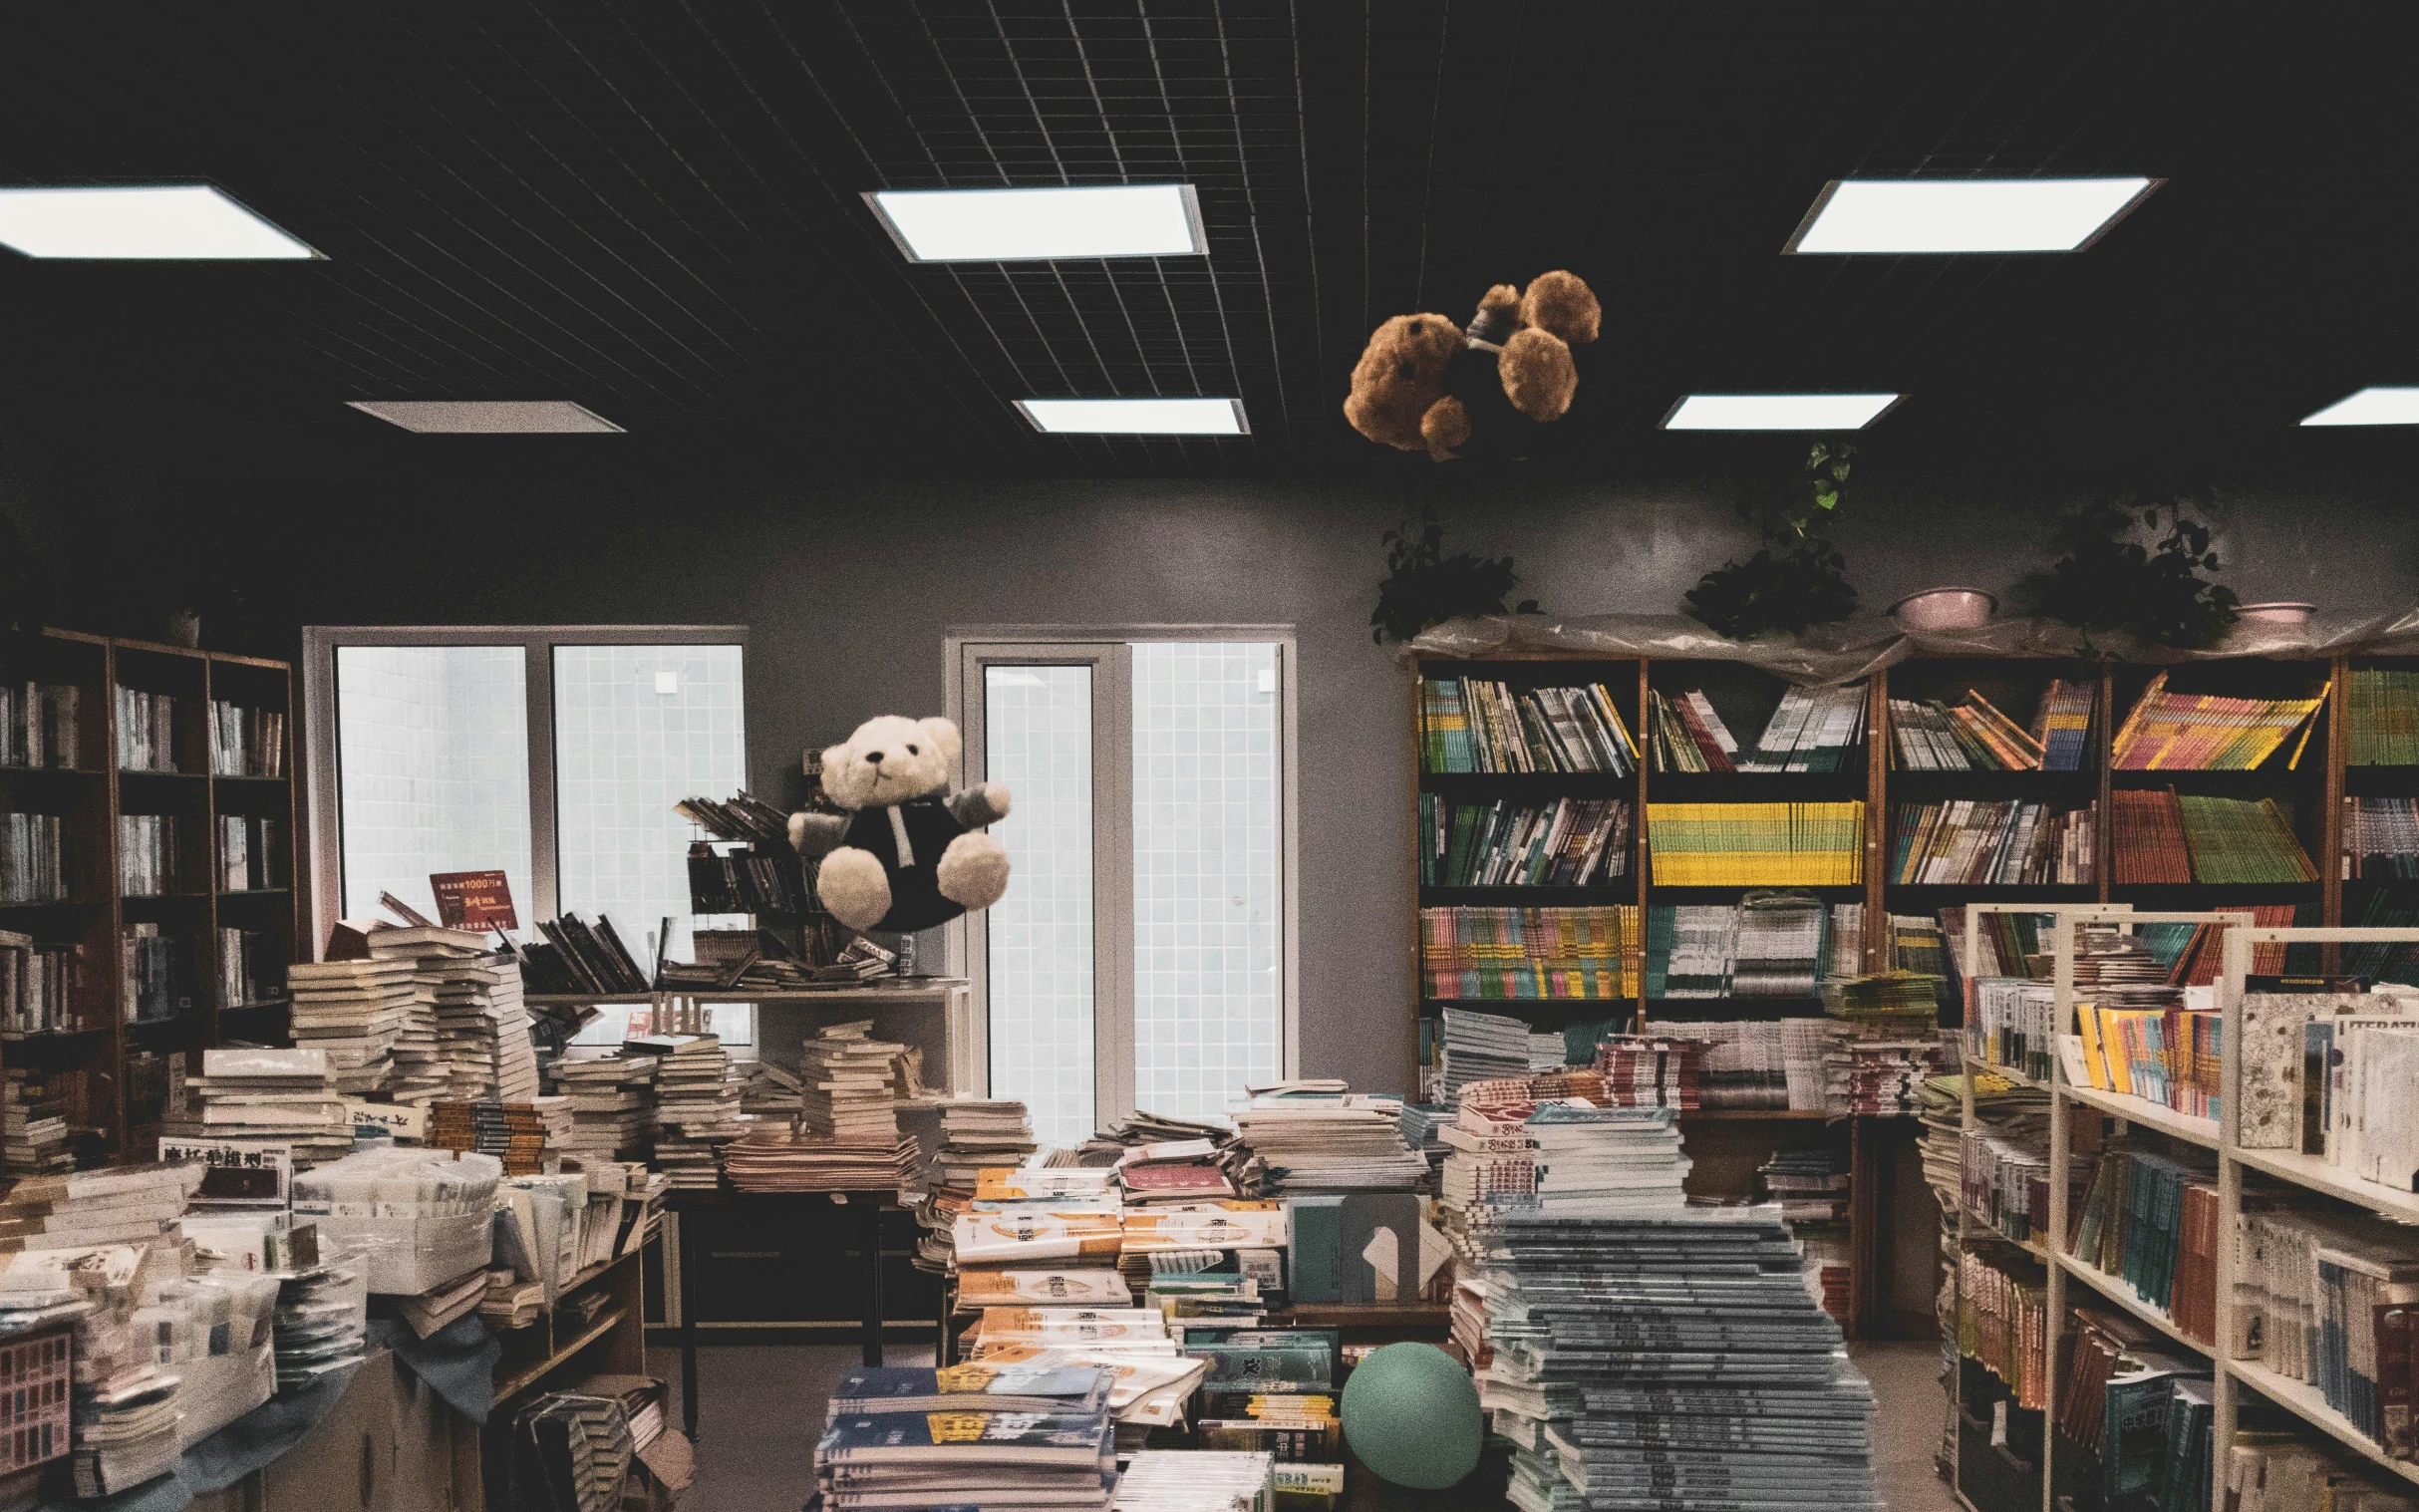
x,y
849,586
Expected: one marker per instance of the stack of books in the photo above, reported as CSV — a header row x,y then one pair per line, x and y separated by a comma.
x,y
1347,1142
1756,844
1976,842
322,1319
1568,843
1751,1063
1477,953
2282,1473
1196,1480
1479,1047
850,1086
263,1099
1472,725
123,1406
2382,728
697,1105
38,724
957,1140
787,1161
34,1111
1929,736
1811,730
1678,1328
1811,1184
2382,837
612,1104
1651,1071
354,1011
1169,1174
520,1134
903,1435
2150,1220
246,742
2204,732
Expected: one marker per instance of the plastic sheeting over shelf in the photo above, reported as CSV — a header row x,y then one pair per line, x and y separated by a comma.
x,y
1857,648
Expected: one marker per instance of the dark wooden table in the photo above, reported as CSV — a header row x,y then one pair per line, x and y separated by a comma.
x,y
865,1206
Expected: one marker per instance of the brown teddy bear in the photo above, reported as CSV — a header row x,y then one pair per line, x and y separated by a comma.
x,y
1425,382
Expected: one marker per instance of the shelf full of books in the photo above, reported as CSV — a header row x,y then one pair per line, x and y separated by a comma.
x,y
2223,1193
145,882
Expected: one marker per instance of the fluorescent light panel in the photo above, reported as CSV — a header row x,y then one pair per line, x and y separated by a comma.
x,y
1009,225
150,224
2372,407
1778,412
488,417
1911,216
1135,416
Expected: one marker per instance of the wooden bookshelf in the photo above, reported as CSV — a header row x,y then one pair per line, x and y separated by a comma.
x,y
116,1070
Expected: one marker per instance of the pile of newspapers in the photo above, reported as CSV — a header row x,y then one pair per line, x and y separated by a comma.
x,y
1643,1353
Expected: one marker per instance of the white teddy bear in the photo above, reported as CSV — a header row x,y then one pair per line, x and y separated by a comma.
x,y
911,854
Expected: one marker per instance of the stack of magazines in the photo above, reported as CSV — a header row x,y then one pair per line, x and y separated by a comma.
x,y
914,1436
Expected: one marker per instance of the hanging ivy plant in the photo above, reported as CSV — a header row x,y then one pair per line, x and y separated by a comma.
x,y
1797,578
2109,579
1424,587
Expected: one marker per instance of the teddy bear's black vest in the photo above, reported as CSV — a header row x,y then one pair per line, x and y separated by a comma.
x,y
915,890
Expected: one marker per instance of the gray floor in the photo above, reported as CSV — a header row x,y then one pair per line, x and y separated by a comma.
x,y
759,1407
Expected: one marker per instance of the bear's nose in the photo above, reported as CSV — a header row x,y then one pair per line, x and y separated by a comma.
x,y
1405,370
874,756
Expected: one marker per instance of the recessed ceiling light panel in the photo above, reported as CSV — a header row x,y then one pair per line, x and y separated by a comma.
x,y
1778,412
159,222
1888,217
1135,416
2372,407
490,417
1010,225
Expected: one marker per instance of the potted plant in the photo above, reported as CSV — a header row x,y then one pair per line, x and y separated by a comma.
x,y
2133,564
1797,578
1424,587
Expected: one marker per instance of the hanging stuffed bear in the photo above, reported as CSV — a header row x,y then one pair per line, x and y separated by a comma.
x,y
911,854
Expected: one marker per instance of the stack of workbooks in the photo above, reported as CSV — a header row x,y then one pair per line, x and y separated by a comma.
x,y
1972,736
2382,728
1683,1329
263,1099
1985,842
1756,844
697,1105
1651,1071
1757,1062
475,997
779,1159
1480,1047
1567,843
901,1435
1197,1480
1472,725
34,1109
354,1011
956,1140
128,1204
1811,1185
1773,945
2204,732
1344,1142
1476,953
612,1104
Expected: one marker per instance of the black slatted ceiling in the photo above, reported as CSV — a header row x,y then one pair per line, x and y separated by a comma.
x,y
653,207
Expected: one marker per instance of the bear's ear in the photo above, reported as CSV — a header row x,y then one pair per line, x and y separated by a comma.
x,y
944,736
847,781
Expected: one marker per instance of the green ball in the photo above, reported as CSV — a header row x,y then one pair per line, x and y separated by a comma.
x,y
1410,1411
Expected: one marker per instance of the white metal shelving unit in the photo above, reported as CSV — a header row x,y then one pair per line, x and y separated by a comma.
x,y
2294,1169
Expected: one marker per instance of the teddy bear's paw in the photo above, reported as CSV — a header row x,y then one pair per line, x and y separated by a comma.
x,y
996,795
851,884
973,872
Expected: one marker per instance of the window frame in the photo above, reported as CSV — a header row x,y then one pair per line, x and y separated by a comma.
x,y
967,652
322,805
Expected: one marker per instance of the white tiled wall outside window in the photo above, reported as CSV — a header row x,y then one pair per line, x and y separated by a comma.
x,y
1037,739
433,770
1208,995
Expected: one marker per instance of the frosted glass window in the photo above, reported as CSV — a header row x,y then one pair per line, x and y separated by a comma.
x,y
637,729
1037,739
1208,992
433,770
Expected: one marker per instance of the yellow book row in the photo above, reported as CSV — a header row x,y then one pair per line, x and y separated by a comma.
x,y
1755,845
